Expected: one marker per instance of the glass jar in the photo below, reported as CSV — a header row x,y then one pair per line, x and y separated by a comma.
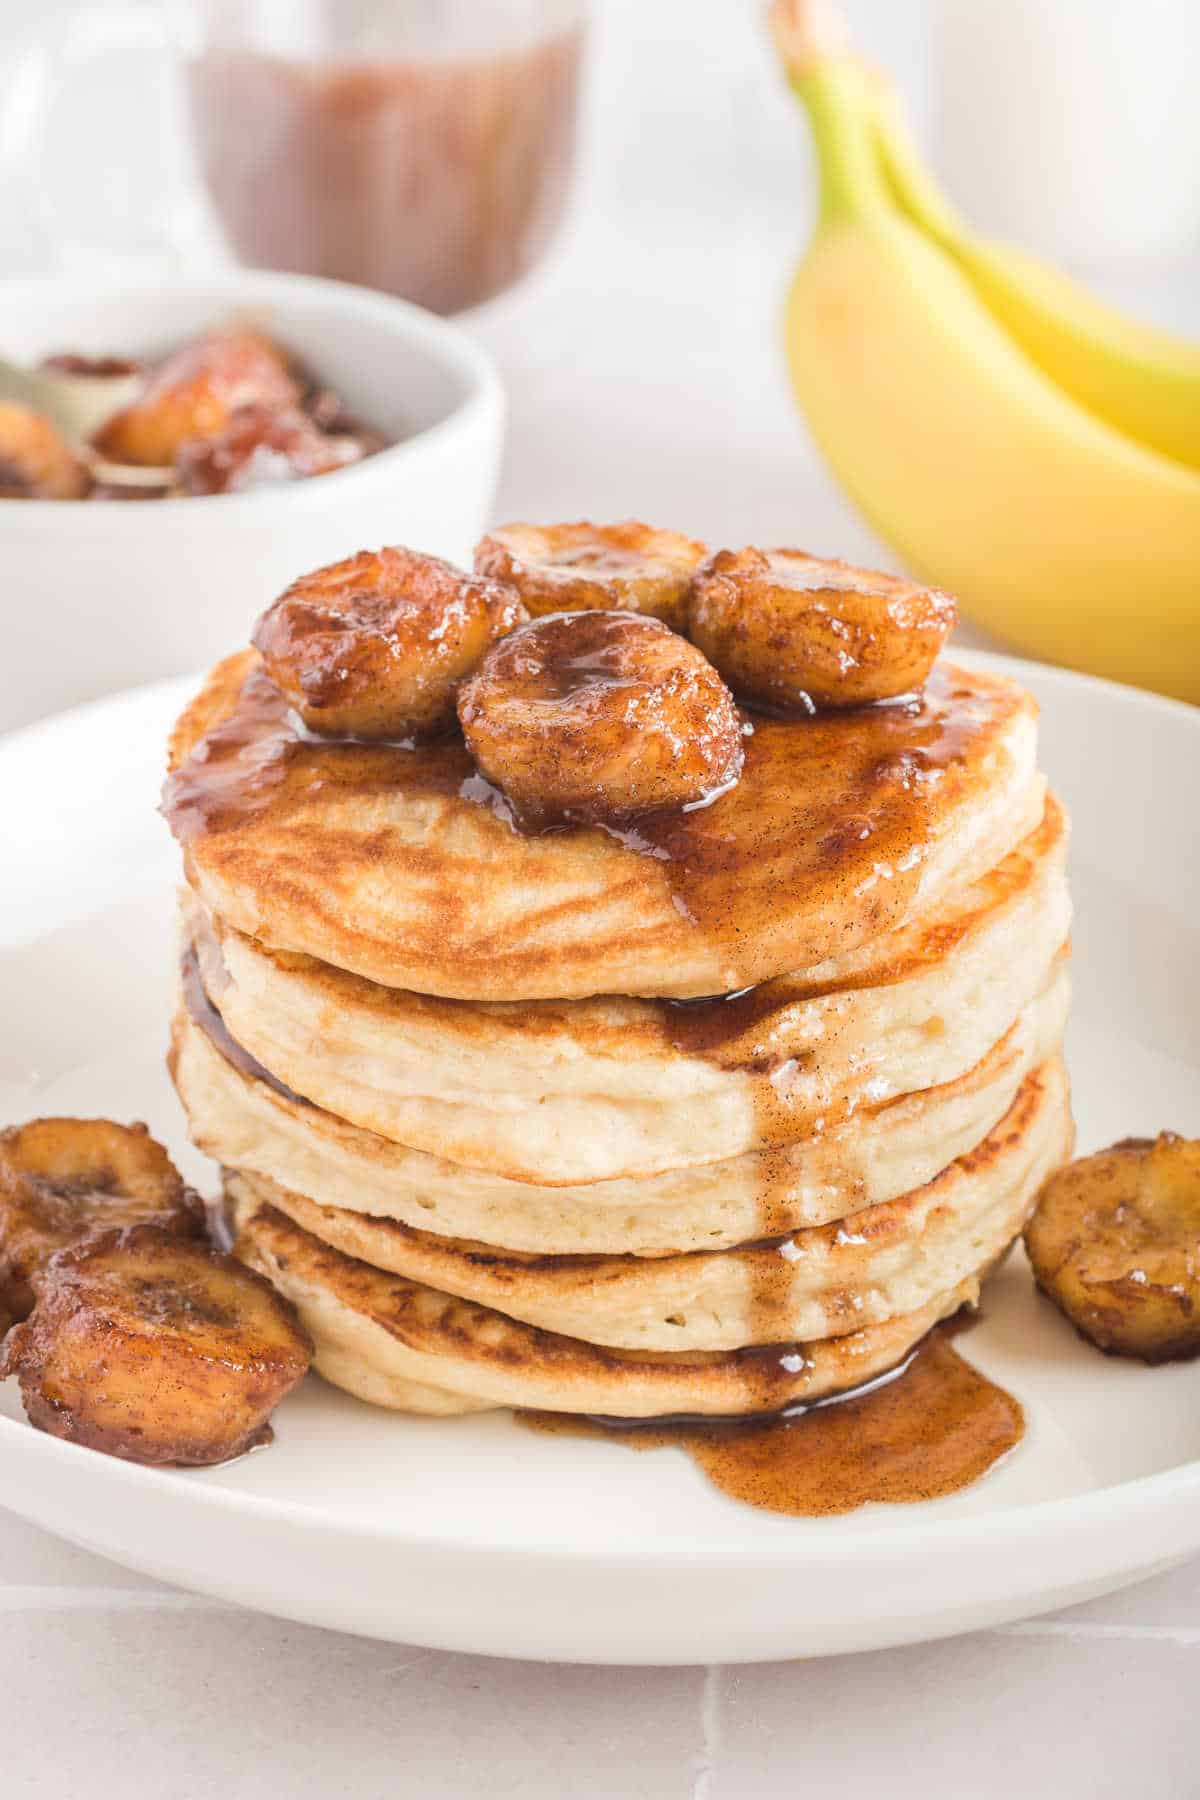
x,y
423,147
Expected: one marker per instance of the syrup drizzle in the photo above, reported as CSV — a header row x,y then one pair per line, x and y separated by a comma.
x,y
205,1015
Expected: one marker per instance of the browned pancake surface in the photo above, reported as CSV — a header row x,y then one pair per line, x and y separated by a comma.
x,y
382,1336
401,865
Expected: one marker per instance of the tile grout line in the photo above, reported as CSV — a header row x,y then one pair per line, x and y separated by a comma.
x,y
704,1786
1184,1637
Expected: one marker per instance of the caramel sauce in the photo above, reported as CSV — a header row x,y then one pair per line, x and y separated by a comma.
x,y
927,1430
723,1030
721,1027
96,368
597,559
205,1015
838,801
841,805
261,755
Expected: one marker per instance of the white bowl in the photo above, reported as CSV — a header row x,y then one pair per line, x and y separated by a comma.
x,y
100,594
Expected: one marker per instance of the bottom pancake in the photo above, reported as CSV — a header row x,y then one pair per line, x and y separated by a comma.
x,y
889,1259
402,1345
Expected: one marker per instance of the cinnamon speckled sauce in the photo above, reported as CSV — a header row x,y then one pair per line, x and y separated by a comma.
x,y
924,1431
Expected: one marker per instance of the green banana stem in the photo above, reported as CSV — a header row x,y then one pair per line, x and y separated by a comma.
x,y
828,82
851,181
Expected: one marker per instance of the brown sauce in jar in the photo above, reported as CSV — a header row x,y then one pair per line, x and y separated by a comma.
x,y
441,178
928,1430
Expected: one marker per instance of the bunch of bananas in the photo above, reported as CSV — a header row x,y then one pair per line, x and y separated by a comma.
x,y
1013,439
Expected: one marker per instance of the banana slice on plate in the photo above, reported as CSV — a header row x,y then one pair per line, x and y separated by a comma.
x,y
1115,1243
151,1347
61,1179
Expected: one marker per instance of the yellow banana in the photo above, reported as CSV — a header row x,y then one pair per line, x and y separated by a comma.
x,y
1144,381
1055,530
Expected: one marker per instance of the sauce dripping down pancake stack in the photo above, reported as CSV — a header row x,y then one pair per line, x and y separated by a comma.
x,y
712,1113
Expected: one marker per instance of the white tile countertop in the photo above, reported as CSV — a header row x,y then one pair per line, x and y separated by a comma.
x,y
102,1673
645,377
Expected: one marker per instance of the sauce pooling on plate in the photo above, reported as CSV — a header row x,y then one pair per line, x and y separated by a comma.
x,y
926,1431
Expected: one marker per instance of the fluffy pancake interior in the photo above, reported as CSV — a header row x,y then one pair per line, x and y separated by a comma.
x,y
889,1259
564,1092
884,1151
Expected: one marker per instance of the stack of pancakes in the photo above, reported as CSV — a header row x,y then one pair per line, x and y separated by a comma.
x,y
713,1115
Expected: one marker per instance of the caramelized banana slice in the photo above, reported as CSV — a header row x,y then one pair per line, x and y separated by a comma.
x,y
596,716
61,1179
376,646
794,632
259,448
155,1349
36,463
195,393
1115,1243
583,567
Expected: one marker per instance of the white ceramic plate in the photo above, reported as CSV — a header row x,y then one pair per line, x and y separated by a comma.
x,y
478,1535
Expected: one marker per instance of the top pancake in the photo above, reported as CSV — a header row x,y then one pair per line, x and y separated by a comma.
x,y
401,864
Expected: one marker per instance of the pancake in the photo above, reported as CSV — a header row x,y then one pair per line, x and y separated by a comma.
x,y
884,1151
400,1344
401,865
563,1092
889,1259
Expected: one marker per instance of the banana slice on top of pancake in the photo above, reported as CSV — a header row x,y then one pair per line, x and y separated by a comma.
x,y
375,646
800,633
593,716
581,567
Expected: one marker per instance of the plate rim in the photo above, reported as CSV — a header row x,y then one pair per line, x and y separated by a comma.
x,y
1114,1503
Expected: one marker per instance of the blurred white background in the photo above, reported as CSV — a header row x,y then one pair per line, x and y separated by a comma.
x,y
643,359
